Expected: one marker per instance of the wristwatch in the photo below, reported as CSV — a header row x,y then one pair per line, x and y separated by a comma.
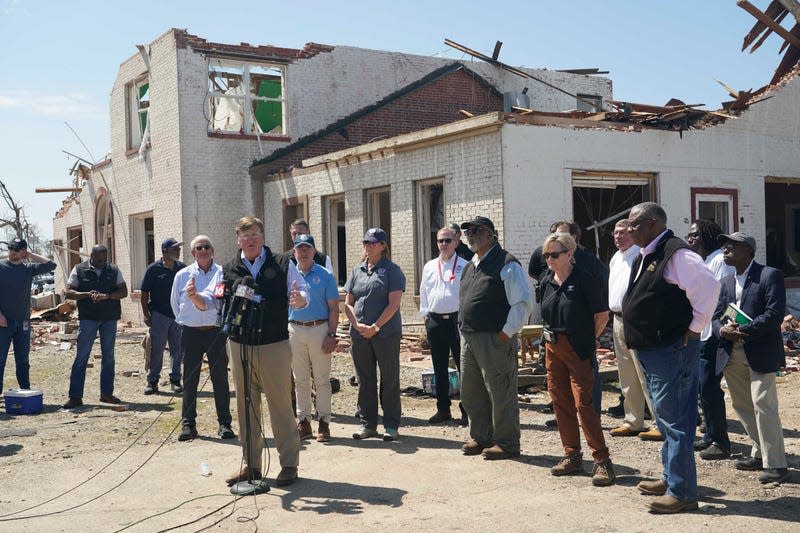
x,y
377,327
331,334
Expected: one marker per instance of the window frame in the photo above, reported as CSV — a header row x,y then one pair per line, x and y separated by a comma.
x,y
371,214
330,228
424,225
717,194
245,100
135,110
141,237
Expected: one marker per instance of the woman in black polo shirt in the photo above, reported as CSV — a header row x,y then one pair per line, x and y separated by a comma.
x,y
574,313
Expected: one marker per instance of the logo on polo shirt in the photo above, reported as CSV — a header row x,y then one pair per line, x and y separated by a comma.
x,y
315,280
381,271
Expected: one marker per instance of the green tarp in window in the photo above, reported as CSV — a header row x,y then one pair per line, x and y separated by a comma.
x,y
269,114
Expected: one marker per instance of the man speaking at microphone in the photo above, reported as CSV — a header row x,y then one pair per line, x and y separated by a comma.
x,y
279,285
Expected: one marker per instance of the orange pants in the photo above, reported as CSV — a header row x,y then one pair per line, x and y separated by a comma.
x,y
570,380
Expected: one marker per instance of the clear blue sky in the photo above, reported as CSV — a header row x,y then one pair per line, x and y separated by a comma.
x,y
58,59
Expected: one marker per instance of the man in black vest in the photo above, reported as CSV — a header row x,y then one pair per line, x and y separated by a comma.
x,y
494,304
266,342
671,297
97,286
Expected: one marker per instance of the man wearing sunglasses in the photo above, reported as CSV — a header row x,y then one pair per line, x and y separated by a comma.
x,y
494,304
156,288
195,307
438,304
670,298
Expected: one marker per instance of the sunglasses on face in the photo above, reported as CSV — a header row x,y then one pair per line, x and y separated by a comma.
x,y
202,247
553,255
444,241
474,230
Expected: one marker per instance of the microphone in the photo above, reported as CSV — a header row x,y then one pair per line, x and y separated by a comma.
x,y
223,293
244,296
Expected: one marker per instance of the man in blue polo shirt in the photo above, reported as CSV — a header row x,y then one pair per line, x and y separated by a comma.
x,y
16,274
157,311
312,336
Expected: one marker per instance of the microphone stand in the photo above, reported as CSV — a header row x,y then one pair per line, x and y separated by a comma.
x,y
251,486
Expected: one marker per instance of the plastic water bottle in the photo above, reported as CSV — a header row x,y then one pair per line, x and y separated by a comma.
x,y
205,469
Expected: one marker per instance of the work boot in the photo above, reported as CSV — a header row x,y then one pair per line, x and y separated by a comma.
x,y
473,447
324,432
653,488
286,476
603,474
569,464
652,434
667,504
245,474
304,428
496,453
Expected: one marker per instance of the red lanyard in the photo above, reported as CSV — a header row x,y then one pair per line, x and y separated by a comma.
x,y
452,274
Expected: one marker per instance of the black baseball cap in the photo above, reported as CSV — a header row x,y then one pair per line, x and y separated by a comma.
x,y
18,244
479,221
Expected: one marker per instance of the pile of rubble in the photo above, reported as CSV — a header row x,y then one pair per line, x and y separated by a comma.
x,y
791,343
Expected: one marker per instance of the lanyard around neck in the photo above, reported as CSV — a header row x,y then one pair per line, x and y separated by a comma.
x,y
452,273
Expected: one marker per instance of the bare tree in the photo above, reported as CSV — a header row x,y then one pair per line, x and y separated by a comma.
x,y
15,224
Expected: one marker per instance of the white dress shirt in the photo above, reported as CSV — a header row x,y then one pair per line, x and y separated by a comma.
x,y
186,313
620,276
438,288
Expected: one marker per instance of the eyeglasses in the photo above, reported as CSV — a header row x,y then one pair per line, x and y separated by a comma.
x,y
553,255
202,247
638,222
693,235
474,230
444,241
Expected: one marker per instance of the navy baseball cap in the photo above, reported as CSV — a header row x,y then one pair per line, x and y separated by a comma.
x,y
170,242
375,235
479,221
304,240
18,244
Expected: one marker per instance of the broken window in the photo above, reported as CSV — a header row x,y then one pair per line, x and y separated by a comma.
x,y
143,249
590,103
74,246
138,95
246,98
335,240
104,224
379,211
430,219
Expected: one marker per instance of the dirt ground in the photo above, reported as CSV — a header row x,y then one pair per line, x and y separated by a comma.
x,y
104,470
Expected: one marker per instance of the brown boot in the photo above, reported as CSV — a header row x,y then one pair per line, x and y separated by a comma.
x,y
569,464
286,476
324,432
244,474
473,447
653,488
304,428
603,475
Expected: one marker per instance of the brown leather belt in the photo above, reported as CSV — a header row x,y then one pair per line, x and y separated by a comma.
x,y
202,328
309,323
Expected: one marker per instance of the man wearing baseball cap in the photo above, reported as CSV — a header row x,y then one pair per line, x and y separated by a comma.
x,y
16,275
494,303
157,311
753,345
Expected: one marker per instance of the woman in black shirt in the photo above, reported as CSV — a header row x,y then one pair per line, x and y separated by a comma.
x,y
574,313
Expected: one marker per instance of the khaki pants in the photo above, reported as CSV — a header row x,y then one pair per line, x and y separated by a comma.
x,y
270,372
631,379
755,399
309,361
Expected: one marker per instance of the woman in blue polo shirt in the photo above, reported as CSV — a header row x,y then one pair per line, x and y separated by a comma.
x,y
374,289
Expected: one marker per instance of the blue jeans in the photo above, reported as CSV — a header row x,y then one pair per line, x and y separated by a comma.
x,y
87,331
671,374
712,399
18,332
164,329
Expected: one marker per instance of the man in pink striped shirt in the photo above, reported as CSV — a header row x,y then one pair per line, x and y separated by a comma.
x,y
670,299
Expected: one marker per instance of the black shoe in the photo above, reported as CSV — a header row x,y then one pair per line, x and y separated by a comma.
x,y
73,403
187,433
773,475
151,388
548,408
440,416
224,432
552,423
748,463
176,386
618,411
464,419
701,444
714,452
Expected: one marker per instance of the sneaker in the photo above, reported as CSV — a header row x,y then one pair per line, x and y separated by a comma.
x,y
151,388
440,416
225,432
569,464
653,434
176,386
73,403
365,433
748,463
714,452
304,428
603,474
773,475
323,432
187,433
390,435
625,431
